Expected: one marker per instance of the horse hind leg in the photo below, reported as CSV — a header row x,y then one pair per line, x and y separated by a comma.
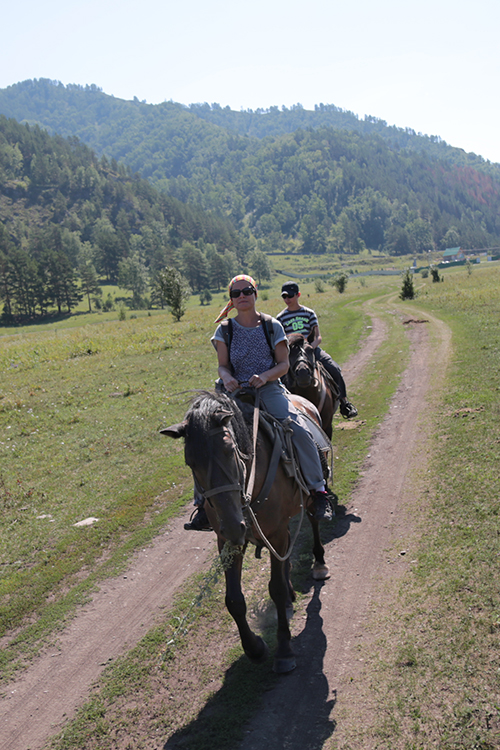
x,y
279,590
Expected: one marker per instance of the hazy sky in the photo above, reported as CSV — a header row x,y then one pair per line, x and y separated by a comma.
x,y
432,65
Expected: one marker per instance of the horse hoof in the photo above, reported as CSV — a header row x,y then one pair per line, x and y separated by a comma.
x,y
283,665
260,654
321,572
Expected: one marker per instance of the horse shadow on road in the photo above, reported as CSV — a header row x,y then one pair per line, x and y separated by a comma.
x,y
343,521
291,711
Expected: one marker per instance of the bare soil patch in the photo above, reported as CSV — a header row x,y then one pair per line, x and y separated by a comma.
x,y
35,706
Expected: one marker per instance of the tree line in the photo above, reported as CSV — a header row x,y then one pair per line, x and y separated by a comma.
x,y
70,220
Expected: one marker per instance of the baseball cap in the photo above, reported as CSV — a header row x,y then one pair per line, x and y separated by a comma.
x,y
291,288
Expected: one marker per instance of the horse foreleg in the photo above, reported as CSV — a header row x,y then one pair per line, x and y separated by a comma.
x,y
253,645
280,590
320,570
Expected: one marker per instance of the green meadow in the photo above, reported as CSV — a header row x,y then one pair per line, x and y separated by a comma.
x,y
80,410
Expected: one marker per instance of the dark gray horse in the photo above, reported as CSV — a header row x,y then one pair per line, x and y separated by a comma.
x,y
307,378
219,451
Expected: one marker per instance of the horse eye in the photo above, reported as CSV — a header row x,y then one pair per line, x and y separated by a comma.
x,y
228,444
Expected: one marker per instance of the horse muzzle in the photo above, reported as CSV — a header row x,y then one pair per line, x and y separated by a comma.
x,y
303,378
233,530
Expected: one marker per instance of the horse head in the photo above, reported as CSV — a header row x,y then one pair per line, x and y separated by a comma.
x,y
217,447
302,362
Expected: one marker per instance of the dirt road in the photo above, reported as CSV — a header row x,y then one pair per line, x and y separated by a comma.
x,y
304,709
35,706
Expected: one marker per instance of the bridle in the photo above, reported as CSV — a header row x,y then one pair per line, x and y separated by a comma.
x,y
303,359
242,486
241,459
314,368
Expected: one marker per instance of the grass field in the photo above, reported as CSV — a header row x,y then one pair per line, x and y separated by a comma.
x,y
437,670
80,410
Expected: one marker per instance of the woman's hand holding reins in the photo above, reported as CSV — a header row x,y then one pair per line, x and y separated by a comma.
x,y
257,381
230,383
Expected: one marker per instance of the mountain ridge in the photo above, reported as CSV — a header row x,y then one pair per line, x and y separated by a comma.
x,y
306,190
257,123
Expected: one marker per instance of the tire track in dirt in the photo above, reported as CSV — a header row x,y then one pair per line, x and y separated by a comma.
x,y
47,694
37,704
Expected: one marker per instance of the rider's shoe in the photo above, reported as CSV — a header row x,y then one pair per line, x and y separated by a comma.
x,y
323,505
348,410
198,521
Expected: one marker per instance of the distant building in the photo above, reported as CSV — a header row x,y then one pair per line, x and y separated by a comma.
x,y
453,253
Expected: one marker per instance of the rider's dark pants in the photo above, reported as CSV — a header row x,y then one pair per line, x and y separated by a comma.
x,y
333,368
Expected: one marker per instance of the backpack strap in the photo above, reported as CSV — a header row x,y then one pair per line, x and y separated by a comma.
x,y
227,331
267,325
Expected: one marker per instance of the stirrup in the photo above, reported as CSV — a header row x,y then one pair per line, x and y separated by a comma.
x,y
348,410
323,505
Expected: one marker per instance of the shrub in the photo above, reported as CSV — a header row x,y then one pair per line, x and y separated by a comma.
x,y
205,297
407,290
435,275
340,283
319,286
108,304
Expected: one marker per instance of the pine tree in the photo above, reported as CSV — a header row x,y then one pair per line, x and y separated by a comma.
x,y
408,290
172,289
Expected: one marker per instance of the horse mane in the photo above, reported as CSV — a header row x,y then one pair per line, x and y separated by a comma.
x,y
296,339
200,419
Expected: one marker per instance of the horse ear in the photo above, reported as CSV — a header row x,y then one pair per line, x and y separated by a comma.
x,y
223,417
175,430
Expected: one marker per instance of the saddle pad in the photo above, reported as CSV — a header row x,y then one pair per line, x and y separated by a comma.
x,y
307,409
319,436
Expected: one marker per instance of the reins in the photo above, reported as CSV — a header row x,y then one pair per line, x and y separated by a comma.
x,y
247,496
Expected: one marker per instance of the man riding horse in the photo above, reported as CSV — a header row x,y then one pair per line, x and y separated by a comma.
x,y
297,318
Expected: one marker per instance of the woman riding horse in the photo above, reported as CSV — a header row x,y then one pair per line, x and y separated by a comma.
x,y
249,361
250,497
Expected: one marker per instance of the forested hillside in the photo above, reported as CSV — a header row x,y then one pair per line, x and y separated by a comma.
x,y
310,182
69,218
68,109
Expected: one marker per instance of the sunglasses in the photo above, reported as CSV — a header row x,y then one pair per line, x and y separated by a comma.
x,y
285,295
247,291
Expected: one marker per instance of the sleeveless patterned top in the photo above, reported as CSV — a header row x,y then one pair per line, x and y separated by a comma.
x,y
250,353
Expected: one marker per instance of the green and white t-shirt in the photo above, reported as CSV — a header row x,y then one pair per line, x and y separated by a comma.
x,y
301,321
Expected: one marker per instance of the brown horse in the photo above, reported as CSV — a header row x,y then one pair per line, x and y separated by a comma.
x,y
307,378
219,450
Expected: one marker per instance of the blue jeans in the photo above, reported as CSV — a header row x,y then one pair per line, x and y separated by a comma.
x,y
274,399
